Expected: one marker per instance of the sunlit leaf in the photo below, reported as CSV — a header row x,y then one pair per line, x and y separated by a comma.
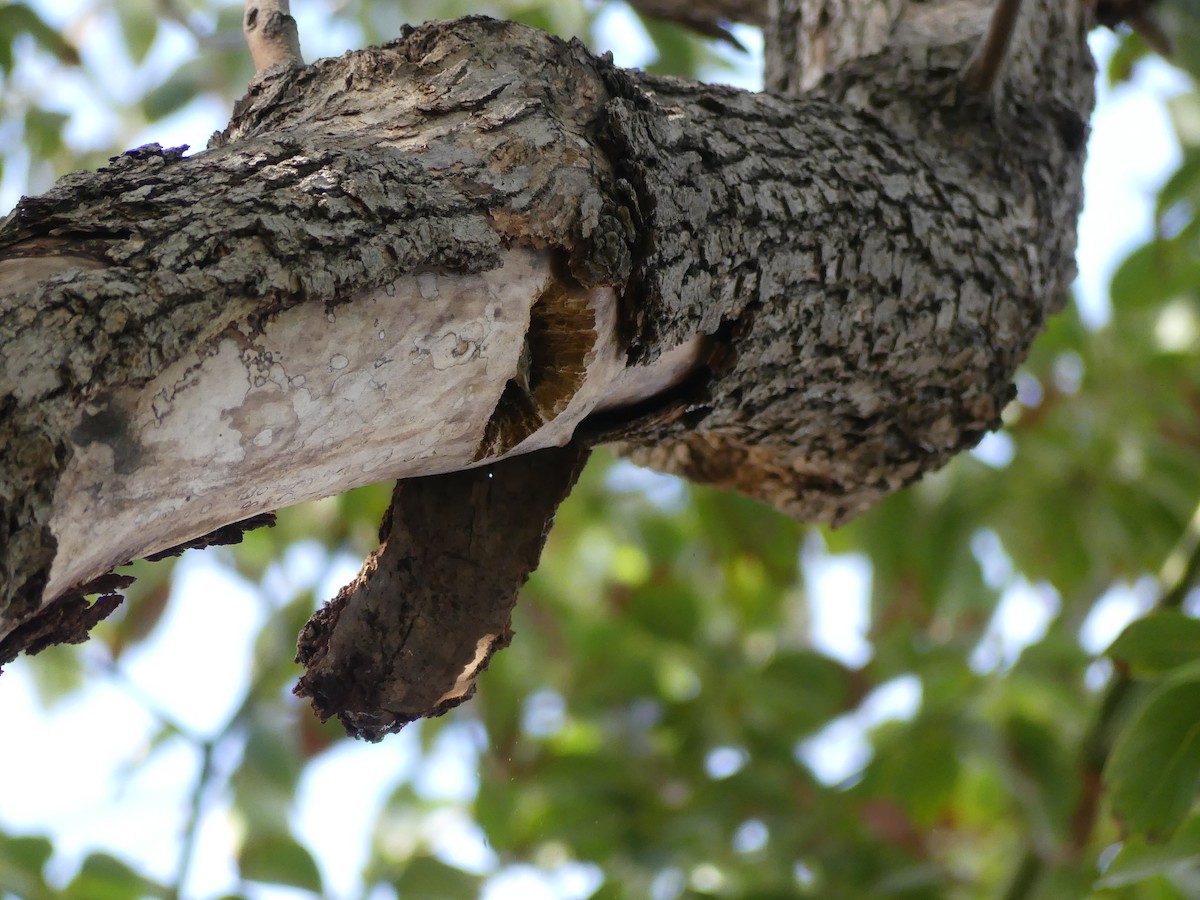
x,y
1129,52
1156,272
43,132
279,859
1154,769
1138,860
425,876
265,783
143,608
104,877
139,26
177,91
1157,643
57,673
19,18
22,863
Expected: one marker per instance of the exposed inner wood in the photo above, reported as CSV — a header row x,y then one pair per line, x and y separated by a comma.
x,y
250,423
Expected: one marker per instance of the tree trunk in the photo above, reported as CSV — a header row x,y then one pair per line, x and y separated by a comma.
x,y
478,241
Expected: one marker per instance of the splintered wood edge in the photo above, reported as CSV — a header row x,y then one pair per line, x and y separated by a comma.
x,y
408,637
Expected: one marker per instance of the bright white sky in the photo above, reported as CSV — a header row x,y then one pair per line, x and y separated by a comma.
x,y
86,803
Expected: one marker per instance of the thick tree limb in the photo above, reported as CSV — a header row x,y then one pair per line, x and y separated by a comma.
x,y
808,39
833,291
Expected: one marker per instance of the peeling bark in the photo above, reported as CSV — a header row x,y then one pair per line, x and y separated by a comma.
x,y
478,241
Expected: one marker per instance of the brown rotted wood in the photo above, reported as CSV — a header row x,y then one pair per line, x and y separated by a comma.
x,y
409,636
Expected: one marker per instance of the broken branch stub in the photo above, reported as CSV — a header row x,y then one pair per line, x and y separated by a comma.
x,y
272,35
408,637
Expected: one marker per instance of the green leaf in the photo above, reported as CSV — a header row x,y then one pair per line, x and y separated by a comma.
x,y
17,18
145,602
1155,273
918,765
801,688
1154,768
104,877
265,783
57,672
680,52
139,25
1182,24
1157,643
1129,52
177,91
22,863
279,859
668,611
43,132
29,854
426,876
1138,860
1184,183
1037,757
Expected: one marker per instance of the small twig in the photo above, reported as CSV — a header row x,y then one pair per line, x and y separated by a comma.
x,y
1026,878
109,667
1139,16
1147,26
195,811
1179,570
272,35
989,56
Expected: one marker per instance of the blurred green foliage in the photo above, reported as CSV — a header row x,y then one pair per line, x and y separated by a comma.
x,y
659,713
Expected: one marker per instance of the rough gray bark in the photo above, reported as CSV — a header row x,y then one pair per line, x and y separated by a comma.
x,y
938,233
865,264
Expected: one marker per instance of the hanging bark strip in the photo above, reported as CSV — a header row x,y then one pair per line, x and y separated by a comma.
x,y
409,636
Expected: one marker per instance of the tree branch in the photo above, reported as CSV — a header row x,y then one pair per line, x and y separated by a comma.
x,y
411,634
1140,16
272,35
985,65
191,832
457,247
708,17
